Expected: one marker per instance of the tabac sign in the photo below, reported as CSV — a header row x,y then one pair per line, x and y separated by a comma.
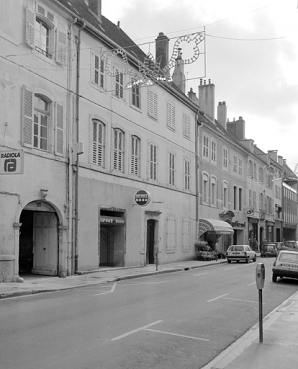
x,y
142,198
11,162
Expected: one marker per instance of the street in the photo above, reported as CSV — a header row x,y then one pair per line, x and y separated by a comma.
x,y
175,320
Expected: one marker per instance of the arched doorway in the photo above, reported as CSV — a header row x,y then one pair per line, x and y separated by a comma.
x,y
38,243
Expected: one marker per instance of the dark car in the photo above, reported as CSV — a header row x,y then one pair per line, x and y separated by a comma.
x,y
285,265
269,250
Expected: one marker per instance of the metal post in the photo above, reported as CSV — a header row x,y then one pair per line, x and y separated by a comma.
x,y
156,258
260,316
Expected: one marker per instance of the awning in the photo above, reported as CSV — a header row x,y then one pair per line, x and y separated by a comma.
x,y
215,225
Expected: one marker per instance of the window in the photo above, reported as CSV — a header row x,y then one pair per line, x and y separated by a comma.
x,y
186,125
186,234
171,229
225,195
152,162
235,164
42,122
152,104
186,174
225,158
213,191
119,84
240,199
255,171
261,175
250,168
250,199
135,156
205,146
261,201
135,94
171,168
240,166
171,116
213,151
235,197
254,199
98,143
99,71
118,150
205,187
41,32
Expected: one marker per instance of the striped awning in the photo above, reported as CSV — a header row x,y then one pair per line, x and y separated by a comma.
x,y
215,225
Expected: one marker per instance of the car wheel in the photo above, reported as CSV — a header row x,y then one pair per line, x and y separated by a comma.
x,y
229,261
274,277
254,259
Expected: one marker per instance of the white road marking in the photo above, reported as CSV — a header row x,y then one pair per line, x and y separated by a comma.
x,y
251,283
179,335
218,297
112,290
136,330
196,275
229,298
141,284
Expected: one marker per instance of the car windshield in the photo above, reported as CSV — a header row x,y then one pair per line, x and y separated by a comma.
x,y
269,248
238,248
290,258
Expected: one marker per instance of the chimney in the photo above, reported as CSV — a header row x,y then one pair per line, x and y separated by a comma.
x,y
178,74
95,7
237,127
207,97
162,50
192,96
222,114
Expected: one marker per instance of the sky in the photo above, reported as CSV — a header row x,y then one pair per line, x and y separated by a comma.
x,y
250,54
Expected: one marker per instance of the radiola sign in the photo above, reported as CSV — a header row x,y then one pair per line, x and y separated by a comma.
x,y
142,198
11,162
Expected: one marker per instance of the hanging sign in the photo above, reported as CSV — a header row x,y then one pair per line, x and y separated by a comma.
x,y
142,198
12,162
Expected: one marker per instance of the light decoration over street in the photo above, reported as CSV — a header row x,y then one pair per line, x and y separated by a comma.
x,y
149,71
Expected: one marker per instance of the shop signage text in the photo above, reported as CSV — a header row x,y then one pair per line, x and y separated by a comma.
x,y
142,198
12,162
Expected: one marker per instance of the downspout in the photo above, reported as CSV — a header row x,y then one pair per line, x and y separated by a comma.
x,y
69,115
78,43
197,175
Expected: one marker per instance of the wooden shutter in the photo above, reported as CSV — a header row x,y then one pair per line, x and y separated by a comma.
x,y
61,47
98,137
59,130
30,28
27,110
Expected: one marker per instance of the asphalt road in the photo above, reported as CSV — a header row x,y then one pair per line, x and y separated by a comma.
x,y
176,320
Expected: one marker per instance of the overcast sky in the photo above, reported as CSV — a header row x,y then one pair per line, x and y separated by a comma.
x,y
251,57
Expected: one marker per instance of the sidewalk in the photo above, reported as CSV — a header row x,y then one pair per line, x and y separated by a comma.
x,y
39,284
280,338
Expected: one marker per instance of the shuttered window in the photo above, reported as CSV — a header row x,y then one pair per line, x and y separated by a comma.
x,y
186,174
118,150
98,143
119,84
171,116
186,234
99,69
152,104
186,125
171,234
135,156
152,162
171,168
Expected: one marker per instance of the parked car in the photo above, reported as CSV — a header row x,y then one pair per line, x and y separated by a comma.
x,y
269,250
240,252
285,265
291,245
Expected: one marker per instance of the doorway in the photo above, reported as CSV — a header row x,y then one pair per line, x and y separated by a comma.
x,y
107,236
150,241
38,246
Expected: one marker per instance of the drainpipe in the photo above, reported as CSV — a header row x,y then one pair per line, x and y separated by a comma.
x,y
197,172
78,43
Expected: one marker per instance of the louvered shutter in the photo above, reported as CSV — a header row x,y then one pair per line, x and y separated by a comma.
x,y
59,129
30,28
28,113
61,47
97,149
96,69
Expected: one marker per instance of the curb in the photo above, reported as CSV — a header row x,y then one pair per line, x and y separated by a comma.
x,y
237,347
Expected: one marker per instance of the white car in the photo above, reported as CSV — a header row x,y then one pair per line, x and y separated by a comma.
x,y
240,252
285,265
